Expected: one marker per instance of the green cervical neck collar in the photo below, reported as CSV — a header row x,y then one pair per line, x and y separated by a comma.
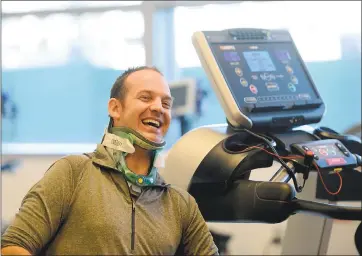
x,y
121,140
136,138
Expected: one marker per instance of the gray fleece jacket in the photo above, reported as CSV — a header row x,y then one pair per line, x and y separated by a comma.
x,y
83,206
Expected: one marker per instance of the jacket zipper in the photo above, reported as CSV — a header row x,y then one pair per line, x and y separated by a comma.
x,y
133,224
133,219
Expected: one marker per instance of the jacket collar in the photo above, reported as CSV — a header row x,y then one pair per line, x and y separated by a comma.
x,y
101,157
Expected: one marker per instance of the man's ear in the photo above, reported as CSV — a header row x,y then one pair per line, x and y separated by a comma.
x,y
114,108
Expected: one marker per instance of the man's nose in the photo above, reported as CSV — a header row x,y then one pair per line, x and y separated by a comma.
x,y
156,106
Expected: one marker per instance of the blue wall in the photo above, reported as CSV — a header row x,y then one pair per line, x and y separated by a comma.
x,y
68,104
58,105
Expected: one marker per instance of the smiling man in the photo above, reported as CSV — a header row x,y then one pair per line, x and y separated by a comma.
x,y
113,201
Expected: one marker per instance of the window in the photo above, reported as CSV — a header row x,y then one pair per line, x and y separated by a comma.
x,y
58,71
30,41
29,6
113,39
95,4
317,37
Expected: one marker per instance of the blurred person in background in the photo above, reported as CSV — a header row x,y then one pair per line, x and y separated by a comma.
x,y
113,201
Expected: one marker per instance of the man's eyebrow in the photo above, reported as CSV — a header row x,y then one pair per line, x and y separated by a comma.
x,y
166,97
170,98
144,91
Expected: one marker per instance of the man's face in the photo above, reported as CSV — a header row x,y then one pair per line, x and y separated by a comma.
x,y
146,107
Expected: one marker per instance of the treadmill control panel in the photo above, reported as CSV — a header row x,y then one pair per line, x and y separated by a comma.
x,y
327,153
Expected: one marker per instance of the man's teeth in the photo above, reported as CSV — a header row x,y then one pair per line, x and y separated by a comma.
x,y
152,122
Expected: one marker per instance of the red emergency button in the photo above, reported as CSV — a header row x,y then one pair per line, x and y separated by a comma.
x,y
336,161
309,153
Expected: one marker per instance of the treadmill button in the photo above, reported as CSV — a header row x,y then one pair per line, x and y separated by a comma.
x,y
341,147
243,82
250,100
305,148
335,161
345,153
253,89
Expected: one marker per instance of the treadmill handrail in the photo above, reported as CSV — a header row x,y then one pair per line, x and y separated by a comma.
x,y
328,210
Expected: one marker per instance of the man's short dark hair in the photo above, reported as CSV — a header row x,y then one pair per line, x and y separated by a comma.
x,y
119,89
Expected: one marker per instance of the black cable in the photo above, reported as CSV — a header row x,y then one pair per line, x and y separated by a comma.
x,y
303,166
247,147
289,171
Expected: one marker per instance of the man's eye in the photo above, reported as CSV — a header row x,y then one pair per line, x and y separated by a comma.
x,y
145,98
167,104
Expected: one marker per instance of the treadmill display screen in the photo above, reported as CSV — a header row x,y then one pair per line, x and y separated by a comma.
x,y
264,74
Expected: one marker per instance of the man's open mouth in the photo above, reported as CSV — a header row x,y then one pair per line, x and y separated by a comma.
x,y
152,123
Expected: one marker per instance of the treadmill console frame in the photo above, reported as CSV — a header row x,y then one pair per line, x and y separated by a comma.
x,y
272,116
